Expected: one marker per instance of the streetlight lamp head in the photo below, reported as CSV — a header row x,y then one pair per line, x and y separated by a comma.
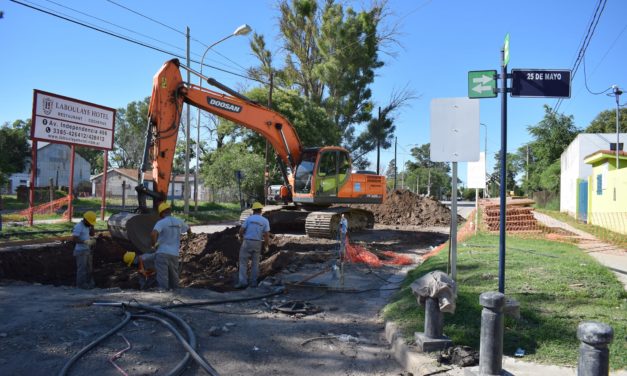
x,y
243,30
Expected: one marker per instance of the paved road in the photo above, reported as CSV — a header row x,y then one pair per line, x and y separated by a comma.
x,y
464,208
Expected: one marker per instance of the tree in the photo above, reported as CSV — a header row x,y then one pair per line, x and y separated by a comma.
x,y
605,122
380,130
218,171
512,169
15,150
551,136
332,54
95,157
433,177
130,134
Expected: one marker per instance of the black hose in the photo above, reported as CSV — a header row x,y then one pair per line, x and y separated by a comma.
x,y
190,350
224,301
69,363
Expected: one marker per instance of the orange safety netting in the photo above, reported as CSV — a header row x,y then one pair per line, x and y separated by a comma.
x,y
47,207
357,253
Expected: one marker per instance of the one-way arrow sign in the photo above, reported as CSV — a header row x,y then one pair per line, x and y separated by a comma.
x,y
482,84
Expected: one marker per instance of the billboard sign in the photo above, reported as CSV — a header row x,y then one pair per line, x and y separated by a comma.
x,y
71,121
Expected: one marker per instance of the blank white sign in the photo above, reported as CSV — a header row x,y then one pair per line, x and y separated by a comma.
x,y
454,130
476,173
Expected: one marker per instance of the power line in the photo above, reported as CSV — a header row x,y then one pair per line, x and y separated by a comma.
x,y
176,30
585,81
585,43
125,38
112,24
146,17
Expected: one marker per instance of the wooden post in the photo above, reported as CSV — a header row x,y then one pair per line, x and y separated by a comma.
x,y
71,185
33,173
123,194
103,205
51,192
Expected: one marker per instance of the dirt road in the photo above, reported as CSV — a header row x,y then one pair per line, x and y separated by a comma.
x,y
43,326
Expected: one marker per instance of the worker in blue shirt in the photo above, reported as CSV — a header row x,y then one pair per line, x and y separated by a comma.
x,y
82,237
255,234
165,240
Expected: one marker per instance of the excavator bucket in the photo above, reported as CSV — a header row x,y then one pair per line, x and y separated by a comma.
x,y
132,231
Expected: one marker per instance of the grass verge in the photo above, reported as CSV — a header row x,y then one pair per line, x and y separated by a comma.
x,y
599,232
557,285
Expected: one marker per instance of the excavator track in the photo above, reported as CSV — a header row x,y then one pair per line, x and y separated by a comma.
x,y
322,223
325,223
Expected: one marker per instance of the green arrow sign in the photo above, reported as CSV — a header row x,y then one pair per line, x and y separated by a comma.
x,y
482,84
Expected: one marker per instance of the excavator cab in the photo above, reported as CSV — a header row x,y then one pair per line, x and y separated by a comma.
x,y
324,177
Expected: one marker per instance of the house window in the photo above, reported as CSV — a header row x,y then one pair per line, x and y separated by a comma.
x,y
599,184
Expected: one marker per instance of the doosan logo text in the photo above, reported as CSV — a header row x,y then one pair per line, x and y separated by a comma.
x,y
224,105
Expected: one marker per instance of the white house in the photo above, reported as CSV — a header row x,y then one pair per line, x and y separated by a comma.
x,y
573,167
53,162
127,178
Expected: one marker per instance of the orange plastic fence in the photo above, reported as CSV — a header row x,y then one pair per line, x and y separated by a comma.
x,y
47,207
357,253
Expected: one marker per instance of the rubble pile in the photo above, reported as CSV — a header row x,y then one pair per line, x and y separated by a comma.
x,y
403,207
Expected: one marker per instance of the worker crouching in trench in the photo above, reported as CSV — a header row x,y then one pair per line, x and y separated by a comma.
x,y
147,274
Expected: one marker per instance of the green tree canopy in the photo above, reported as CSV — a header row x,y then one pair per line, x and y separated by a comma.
x,y
15,149
130,134
218,169
550,137
605,122
332,54
433,177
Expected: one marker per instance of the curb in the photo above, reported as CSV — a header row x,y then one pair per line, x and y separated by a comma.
x,y
415,362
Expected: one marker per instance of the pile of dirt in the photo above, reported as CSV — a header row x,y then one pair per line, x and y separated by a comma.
x,y
403,207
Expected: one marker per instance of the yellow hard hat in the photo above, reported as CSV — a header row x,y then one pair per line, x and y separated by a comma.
x,y
257,205
128,258
163,206
90,217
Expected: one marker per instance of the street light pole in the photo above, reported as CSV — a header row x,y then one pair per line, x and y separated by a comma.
x,y
242,30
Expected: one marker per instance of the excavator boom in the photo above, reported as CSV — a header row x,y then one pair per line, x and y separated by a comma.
x,y
319,176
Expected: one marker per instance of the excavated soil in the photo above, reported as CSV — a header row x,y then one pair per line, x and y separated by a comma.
x,y
207,261
210,260
403,207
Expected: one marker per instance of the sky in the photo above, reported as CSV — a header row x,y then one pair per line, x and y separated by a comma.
x,y
439,42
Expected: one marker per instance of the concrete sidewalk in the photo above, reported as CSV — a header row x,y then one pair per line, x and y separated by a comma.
x,y
613,257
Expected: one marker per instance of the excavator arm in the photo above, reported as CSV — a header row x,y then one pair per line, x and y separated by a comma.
x,y
169,92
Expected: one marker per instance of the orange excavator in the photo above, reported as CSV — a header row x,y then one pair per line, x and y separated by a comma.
x,y
315,180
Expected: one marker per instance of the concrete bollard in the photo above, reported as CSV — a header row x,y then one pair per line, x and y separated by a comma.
x,y
594,355
434,318
432,339
492,322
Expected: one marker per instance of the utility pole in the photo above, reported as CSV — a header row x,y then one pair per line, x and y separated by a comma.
x,y
266,173
527,178
617,93
395,142
187,133
379,142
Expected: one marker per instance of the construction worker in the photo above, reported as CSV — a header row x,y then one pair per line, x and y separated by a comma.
x,y
84,242
255,234
145,267
165,240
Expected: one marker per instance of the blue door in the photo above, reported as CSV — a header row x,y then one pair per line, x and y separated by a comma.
x,y
582,201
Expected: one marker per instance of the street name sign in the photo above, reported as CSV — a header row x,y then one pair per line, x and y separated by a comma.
x,y
71,121
540,83
482,84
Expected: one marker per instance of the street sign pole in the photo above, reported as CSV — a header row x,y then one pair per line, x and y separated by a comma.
x,y
503,207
